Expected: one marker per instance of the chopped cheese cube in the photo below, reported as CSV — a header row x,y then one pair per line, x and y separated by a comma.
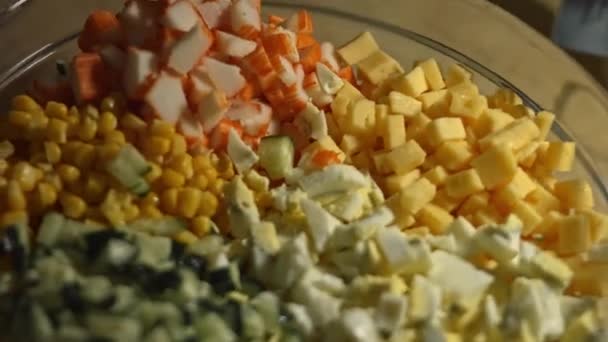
x,y
456,74
574,193
382,111
350,92
474,203
443,200
378,67
454,155
552,268
530,217
350,144
437,175
468,107
394,183
432,73
339,106
403,104
406,157
381,162
359,114
559,156
486,216
598,222
445,129
434,217
415,196
543,200
435,102
359,48
394,134
574,234
466,88
516,135
503,97
362,160
584,328
413,83
544,121
526,156
518,111
463,184
548,227
333,128
416,125
496,166
519,187
492,120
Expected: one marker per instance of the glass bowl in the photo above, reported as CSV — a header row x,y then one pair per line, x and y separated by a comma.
x,y
404,45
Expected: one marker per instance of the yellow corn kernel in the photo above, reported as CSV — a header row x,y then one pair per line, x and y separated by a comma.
x,y
162,128
117,137
154,173
151,199
150,211
3,182
217,186
209,204
19,118
87,129
57,131
263,200
107,123
179,145
132,122
3,166
85,157
14,196
224,165
201,162
52,152
156,146
183,165
46,194
53,179
108,151
56,110
26,175
131,212
73,206
24,103
199,181
13,217
211,174
95,187
90,111
200,226
168,200
69,149
188,201
185,237
172,179
68,173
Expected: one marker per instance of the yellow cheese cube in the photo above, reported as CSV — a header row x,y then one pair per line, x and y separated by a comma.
x,y
333,128
406,157
428,163
559,156
544,121
437,175
585,326
415,196
432,74
574,234
474,203
548,227
413,83
518,188
394,134
454,155
362,160
436,102
359,48
518,111
576,194
504,97
490,121
382,111
463,183
488,215
359,114
418,231
468,107
416,125
598,222
350,91
515,135
378,66
394,183
403,219
434,217
471,137
403,104
543,200
339,106
496,166
526,156
444,129
381,162
529,216
456,74
466,88
350,144
446,202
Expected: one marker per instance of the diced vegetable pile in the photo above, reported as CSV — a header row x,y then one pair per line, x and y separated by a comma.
x,y
196,174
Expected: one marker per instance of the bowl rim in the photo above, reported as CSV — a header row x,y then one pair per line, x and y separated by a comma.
x,y
34,58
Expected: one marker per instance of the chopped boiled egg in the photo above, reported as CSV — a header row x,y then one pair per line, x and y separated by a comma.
x,y
241,154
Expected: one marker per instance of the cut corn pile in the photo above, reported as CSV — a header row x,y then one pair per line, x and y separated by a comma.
x,y
56,158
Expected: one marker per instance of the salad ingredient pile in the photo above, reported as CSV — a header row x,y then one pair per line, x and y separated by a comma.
x,y
196,173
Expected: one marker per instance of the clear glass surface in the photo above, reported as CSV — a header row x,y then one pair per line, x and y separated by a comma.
x,y
406,46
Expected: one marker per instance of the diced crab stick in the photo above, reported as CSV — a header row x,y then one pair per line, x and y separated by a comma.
x,y
211,109
214,12
181,15
140,69
323,158
113,56
297,134
300,22
283,43
51,90
347,74
219,136
89,77
328,56
166,98
199,86
284,70
313,89
225,77
275,20
304,40
248,92
310,56
234,46
254,116
101,27
190,49
259,62
191,129
245,19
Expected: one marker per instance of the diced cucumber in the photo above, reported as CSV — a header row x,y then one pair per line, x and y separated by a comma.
x,y
97,291
166,226
114,328
267,304
252,323
213,328
128,176
50,229
132,157
225,279
118,252
276,155
154,251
